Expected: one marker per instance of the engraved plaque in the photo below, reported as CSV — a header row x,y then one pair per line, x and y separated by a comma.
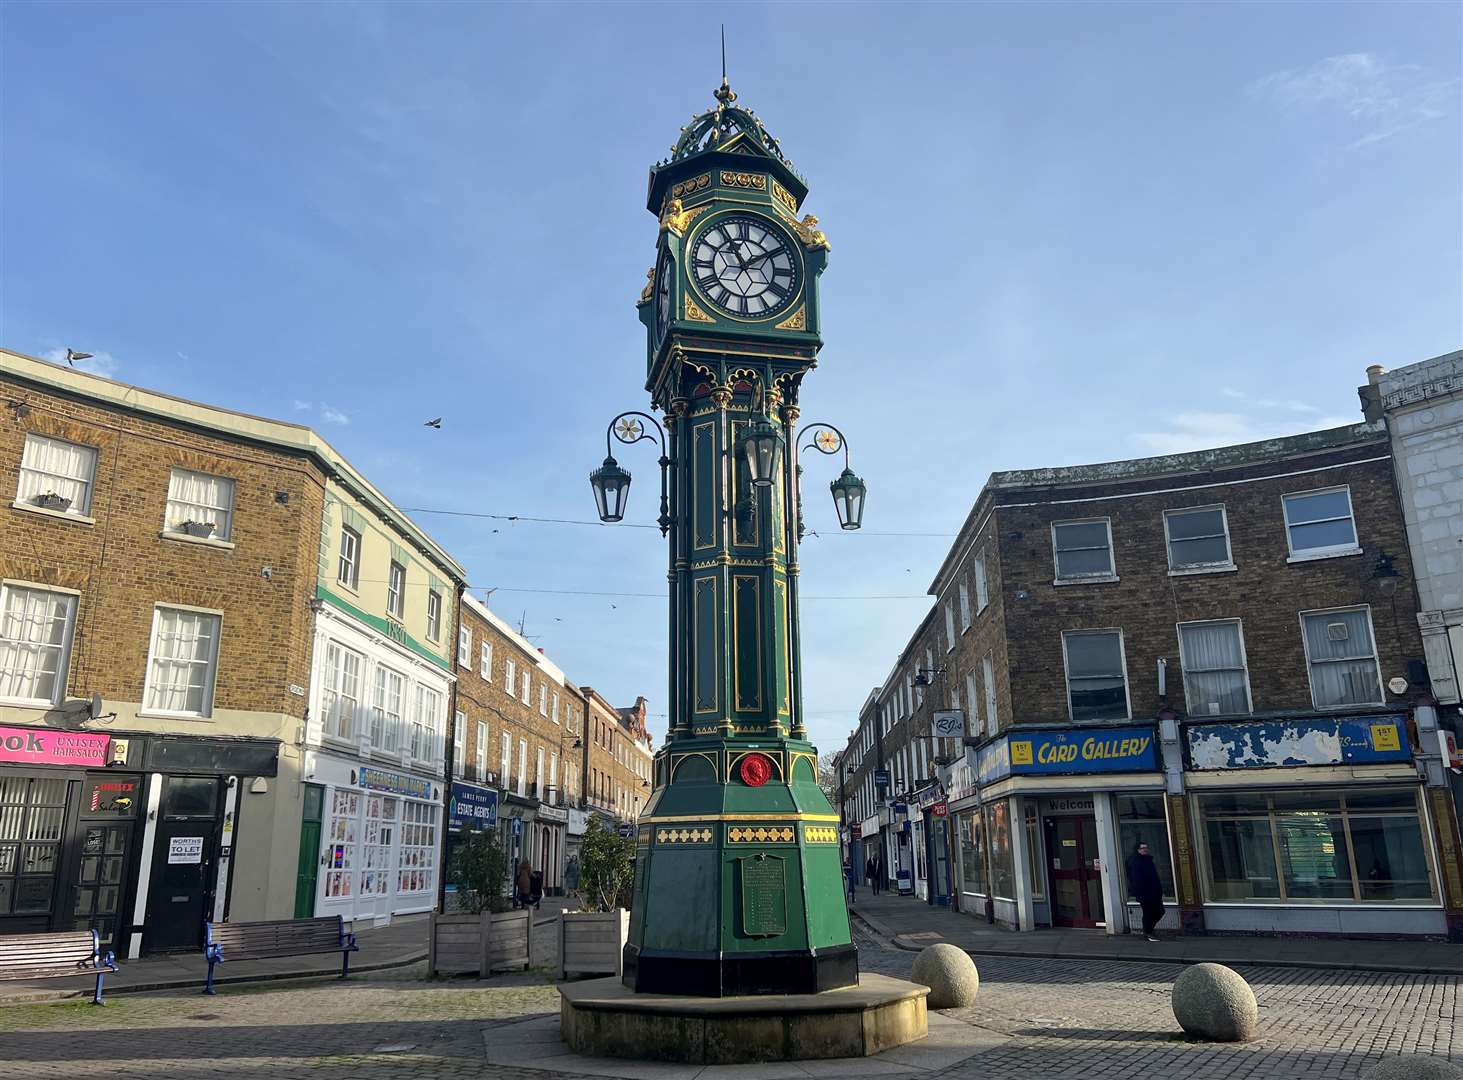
x,y
764,896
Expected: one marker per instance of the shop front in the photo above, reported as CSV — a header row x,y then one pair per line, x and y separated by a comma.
x,y
548,854
1316,825
126,833
1044,826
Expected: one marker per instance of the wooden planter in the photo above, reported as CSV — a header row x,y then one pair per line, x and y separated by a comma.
x,y
480,944
593,943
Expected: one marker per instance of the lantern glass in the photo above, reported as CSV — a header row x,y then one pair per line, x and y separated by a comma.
x,y
848,499
762,447
611,486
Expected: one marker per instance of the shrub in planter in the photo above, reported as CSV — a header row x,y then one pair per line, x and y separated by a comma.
x,y
198,528
480,868
51,501
606,869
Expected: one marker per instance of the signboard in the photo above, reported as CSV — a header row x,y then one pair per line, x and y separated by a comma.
x,y
949,723
1321,740
1448,748
185,849
554,814
1125,749
578,822
626,829
940,809
110,796
395,783
881,778
518,826
764,896
856,830
472,807
47,746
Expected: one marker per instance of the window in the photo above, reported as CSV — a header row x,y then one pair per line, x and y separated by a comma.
x,y
464,647
525,687
554,778
180,670
340,693
396,590
434,615
950,625
1097,683
1351,845
340,851
1198,539
417,857
485,661
63,470
480,752
505,760
974,725
426,727
1319,523
349,571
1141,820
1035,864
459,744
376,851
998,829
1215,677
512,678
386,709
543,699
555,712
199,500
1083,550
982,598
1342,657
988,676
522,778
538,773
964,607
35,643
32,825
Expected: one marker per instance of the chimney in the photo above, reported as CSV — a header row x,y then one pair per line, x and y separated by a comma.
x,y
1374,374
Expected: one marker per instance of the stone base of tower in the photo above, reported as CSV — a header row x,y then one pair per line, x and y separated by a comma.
x,y
604,1018
732,974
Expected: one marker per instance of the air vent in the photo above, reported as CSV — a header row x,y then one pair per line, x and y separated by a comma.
x,y
1337,631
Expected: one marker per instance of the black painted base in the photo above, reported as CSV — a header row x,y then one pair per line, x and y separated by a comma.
x,y
726,974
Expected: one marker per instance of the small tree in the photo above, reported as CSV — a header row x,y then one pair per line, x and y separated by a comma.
x,y
828,776
606,873
479,867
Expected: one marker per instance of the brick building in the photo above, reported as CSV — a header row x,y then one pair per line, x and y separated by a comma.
x,y
1208,652
617,758
157,562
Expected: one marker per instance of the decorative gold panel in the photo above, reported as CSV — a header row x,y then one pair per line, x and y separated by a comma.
x,y
684,836
761,834
819,834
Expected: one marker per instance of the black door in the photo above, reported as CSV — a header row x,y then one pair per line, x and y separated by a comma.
x,y
185,853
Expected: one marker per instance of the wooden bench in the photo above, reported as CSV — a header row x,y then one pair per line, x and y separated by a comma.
x,y
52,956
282,937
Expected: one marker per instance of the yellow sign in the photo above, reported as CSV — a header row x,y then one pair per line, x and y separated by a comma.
x,y
1386,737
1021,753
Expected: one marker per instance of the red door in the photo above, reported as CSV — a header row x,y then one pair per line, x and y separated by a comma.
x,y
1076,885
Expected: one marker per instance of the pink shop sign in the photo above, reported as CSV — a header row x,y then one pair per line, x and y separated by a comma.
x,y
47,746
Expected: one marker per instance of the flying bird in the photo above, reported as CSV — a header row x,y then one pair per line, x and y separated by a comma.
x,y
437,423
72,356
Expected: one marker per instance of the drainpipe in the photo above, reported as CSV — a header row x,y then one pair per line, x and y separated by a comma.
x,y
448,764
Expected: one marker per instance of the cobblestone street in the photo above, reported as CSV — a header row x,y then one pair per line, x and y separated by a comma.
x,y
1036,1019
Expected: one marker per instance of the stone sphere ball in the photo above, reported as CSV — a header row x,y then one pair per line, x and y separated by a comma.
x,y
950,974
1213,1002
1415,1067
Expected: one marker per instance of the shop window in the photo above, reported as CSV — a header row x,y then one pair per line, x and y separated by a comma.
x,y
1035,864
190,796
1350,846
376,866
340,875
35,638
1097,680
1003,875
32,817
1342,657
1141,820
1216,680
416,859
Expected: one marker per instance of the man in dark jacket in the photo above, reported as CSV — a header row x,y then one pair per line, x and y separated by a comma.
x,y
1144,887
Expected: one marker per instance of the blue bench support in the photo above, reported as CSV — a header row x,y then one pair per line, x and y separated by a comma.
x,y
283,937
105,962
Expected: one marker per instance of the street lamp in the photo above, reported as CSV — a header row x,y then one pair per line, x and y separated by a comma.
x,y
762,447
848,490
611,483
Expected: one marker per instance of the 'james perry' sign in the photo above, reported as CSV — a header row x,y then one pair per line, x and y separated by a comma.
x,y
1127,749
46,746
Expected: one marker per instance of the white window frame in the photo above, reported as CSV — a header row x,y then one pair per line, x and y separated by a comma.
x,y
480,752
964,607
554,715
511,679
949,627
525,687
992,706
1376,656
1110,574
1200,568
464,647
63,665
1122,657
207,710
982,587
974,725
391,723
348,566
333,688
1243,656
434,615
219,535
543,699
522,787
505,760
459,742
1335,550
396,591
83,511
485,661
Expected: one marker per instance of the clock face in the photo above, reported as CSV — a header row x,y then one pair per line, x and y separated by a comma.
x,y
746,267
662,297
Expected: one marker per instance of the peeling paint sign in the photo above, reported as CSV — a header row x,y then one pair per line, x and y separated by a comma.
x,y
1361,740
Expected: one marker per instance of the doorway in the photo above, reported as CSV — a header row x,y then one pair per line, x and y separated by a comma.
x,y
185,851
1076,878
307,867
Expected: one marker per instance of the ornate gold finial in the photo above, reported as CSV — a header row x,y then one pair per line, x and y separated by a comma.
x,y
724,93
649,290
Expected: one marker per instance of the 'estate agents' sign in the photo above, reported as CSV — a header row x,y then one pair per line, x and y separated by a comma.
x,y
472,807
47,746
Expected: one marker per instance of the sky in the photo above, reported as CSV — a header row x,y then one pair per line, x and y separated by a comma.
x,y
1060,235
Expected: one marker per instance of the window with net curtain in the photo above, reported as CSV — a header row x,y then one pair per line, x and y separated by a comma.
x,y
1342,657
56,467
200,498
340,694
35,634
1215,680
184,653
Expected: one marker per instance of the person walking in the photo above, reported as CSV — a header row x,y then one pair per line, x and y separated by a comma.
x,y
850,878
524,884
878,874
869,873
1144,887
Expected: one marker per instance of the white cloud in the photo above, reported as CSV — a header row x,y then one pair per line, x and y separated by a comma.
x,y
1197,430
1391,98
303,406
332,415
1231,392
102,363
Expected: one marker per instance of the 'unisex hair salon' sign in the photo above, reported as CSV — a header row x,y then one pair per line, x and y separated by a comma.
x,y
47,746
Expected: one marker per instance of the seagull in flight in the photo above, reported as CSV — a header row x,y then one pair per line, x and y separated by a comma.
x,y
437,423
72,356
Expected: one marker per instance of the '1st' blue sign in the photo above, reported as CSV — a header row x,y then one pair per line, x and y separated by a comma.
x,y
1126,749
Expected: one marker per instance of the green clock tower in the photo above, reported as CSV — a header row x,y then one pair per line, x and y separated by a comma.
x,y
738,876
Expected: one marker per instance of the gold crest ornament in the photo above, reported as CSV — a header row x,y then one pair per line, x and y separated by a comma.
x,y
674,218
649,290
810,234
